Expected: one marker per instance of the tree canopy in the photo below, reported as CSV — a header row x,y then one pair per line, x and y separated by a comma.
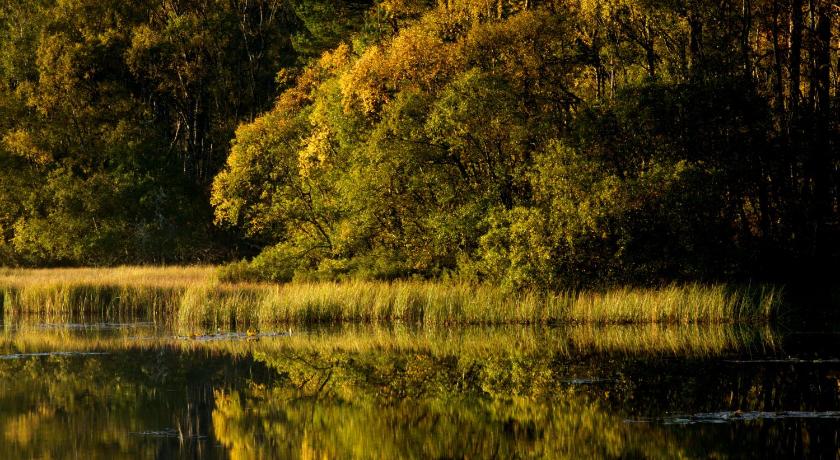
x,y
533,143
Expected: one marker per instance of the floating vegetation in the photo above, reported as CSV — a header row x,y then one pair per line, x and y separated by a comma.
x,y
223,336
737,416
784,361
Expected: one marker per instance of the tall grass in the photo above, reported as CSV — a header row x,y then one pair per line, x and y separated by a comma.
x,y
149,292
192,296
431,303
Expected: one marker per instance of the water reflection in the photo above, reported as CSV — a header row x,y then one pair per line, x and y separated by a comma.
x,y
104,406
106,390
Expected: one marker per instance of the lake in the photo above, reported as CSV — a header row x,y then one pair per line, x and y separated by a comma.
x,y
127,388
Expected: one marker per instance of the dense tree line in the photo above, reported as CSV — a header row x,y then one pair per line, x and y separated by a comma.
x,y
115,116
527,142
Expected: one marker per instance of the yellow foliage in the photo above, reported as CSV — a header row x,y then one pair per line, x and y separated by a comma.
x,y
337,58
22,144
417,57
363,86
315,152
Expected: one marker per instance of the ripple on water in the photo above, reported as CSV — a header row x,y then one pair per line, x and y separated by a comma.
x,y
51,353
95,326
587,381
167,433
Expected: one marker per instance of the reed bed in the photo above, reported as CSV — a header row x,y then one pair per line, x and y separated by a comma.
x,y
158,276
430,303
192,296
65,293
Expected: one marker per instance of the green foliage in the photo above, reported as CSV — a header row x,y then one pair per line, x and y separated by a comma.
x,y
117,115
384,164
531,147
536,144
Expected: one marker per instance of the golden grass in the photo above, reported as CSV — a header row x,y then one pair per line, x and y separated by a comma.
x,y
190,296
63,293
432,303
138,276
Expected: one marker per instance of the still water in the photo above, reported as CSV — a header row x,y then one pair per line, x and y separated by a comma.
x,y
133,389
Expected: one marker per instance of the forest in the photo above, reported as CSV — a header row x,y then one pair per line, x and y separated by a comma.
x,y
548,144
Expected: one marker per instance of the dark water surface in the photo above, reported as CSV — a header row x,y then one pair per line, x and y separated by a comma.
x,y
137,390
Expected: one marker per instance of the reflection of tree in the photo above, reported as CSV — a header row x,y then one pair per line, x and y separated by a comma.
x,y
414,405
381,392
362,400
55,406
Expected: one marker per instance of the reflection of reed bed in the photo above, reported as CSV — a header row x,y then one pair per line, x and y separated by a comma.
x,y
16,338
191,296
689,339
495,342
570,340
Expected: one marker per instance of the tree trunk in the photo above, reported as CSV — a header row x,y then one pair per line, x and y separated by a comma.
x,y
649,49
746,18
778,59
795,55
695,28
821,156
